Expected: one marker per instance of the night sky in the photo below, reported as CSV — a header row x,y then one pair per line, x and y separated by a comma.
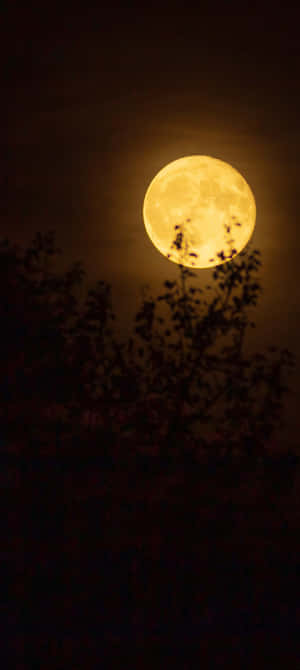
x,y
95,102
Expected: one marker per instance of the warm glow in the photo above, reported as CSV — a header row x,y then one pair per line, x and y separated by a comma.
x,y
211,203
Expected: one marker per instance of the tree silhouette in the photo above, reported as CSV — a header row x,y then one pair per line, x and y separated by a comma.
x,y
183,384
188,354
37,308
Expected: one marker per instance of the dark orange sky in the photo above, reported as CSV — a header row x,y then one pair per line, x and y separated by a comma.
x,y
95,102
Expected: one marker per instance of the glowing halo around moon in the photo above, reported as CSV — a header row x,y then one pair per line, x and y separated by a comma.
x,y
209,201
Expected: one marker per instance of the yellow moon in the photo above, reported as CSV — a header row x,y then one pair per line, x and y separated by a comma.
x,y
209,202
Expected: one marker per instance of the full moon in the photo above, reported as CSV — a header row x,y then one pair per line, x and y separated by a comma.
x,y
208,201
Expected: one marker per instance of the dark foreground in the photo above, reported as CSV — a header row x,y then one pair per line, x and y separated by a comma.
x,y
141,568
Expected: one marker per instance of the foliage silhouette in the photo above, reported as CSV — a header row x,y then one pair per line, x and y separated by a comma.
x,y
182,386
188,353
